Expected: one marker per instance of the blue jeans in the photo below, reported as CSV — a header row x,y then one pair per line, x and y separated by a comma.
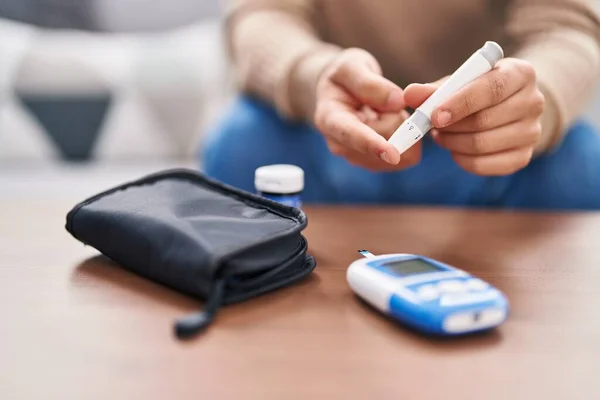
x,y
251,134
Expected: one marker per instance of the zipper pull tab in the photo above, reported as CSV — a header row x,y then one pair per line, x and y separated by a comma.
x,y
193,324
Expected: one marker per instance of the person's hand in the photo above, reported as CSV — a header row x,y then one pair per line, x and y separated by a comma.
x,y
357,110
492,125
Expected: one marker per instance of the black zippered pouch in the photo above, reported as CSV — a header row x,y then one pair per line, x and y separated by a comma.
x,y
197,236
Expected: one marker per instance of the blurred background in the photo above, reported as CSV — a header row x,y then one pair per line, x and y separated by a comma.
x,y
108,80
96,85
105,89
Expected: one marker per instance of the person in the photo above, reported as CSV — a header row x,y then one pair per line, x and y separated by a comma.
x,y
324,83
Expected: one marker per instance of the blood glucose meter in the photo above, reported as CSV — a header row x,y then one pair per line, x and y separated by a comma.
x,y
427,295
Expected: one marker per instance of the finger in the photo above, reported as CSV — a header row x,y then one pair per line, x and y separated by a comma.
x,y
369,87
492,88
496,164
358,159
410,158
416,93
387,123
525,103
368,113
361,116
371,164
341,125
520,134
413,155
440,81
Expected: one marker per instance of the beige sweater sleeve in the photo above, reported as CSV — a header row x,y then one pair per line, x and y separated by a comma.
x,y
277,53
562,41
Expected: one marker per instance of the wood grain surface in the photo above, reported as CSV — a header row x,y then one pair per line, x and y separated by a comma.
x,y
75,326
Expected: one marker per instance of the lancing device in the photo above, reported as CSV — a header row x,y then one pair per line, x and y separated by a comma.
x,y
419,123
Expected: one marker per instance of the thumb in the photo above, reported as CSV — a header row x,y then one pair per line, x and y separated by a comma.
x,y
369,87
415,94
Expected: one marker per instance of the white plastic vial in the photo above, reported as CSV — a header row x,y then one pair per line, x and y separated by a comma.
x,y
280,182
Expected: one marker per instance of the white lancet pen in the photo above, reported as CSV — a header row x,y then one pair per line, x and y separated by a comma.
x,y
419,123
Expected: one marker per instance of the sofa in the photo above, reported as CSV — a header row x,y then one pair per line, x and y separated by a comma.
x,y
114,80
133,84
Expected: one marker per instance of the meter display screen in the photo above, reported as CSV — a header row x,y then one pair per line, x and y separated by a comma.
x,y
409,267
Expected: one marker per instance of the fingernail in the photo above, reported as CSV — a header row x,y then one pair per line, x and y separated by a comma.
x,y
396,99
384,157
444,118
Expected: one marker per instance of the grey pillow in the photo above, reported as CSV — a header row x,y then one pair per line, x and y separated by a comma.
x,y
109,15
71,14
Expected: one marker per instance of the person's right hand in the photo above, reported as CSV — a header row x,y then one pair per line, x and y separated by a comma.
x,y
357,110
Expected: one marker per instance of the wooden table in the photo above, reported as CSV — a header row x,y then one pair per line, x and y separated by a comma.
x,y
76,327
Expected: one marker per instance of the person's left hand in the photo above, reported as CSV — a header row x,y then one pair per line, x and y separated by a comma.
x,y
492,125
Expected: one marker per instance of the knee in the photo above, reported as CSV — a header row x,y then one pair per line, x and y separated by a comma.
x,y
233,140
249,134
238,130
585,158
574,169
580,152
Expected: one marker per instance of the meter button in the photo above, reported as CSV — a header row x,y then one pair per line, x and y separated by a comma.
x,y
451,287
477,284
428,292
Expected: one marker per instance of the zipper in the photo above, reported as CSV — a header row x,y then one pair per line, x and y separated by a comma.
x,y
193,324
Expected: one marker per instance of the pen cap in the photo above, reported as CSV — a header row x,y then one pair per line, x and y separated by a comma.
x,y
492,52
279,178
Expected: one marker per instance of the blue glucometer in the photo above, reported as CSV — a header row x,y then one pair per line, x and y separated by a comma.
x,y
428,295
